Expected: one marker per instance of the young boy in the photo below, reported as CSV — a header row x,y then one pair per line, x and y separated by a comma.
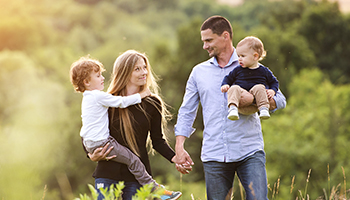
x,y
86,77
250,76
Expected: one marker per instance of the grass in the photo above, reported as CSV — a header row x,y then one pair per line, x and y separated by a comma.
x,y
338,192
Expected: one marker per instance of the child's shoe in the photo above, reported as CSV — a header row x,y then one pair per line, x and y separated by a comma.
x,y
166,194
170,195
264,114
233,114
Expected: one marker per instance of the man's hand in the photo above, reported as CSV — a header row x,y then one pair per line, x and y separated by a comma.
x,y
182,159
273,105
101,153
225,88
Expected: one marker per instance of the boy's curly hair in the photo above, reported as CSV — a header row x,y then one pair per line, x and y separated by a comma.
x,y
81,70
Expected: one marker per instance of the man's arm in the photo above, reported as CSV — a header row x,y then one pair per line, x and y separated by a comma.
x,y
279,100
183,128
246,106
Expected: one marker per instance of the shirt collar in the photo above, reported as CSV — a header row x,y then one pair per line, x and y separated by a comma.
x,y
233,59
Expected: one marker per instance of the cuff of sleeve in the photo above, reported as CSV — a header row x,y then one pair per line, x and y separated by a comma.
x,y
187,132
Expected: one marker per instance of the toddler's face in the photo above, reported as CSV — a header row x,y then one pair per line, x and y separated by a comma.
x,y
96,81
247,57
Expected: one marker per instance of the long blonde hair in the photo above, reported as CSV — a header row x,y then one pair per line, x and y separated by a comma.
x,y
122,70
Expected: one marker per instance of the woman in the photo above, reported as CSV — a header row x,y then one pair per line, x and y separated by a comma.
x,y
131,126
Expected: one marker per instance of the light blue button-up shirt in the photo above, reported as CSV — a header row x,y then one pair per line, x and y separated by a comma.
x,y
223,140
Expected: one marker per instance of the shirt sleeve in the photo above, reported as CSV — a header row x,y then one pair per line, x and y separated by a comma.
x,y
230,78
156,134
188,110
110,100
272,80
280,100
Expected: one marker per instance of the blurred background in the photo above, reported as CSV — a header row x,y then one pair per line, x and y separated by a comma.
x,y
307,43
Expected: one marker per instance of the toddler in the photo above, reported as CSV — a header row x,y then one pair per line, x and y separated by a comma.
x,y
250,76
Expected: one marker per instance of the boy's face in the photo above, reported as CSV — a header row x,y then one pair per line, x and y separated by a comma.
x,y
96,81
247,57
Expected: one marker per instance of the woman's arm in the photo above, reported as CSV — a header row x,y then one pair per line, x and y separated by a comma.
x,y
157,137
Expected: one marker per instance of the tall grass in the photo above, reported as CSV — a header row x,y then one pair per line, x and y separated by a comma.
x,y
338,192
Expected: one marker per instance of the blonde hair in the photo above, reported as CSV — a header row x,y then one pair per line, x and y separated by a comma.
x,y
81,70
255,44
122,70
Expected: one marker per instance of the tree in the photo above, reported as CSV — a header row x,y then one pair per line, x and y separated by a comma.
x,y
31,116
327,33
309,134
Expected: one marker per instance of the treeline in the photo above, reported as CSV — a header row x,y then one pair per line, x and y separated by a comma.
x,y
307,49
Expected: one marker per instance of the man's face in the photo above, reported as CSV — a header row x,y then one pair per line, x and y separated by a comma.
x,y
212,42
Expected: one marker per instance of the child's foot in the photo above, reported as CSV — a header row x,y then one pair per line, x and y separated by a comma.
x,y
264,114
233,114
166,194
170,195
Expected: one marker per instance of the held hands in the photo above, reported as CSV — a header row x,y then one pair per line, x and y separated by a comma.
x,y
225,88
183,161
183,168
101,153
270,93
145,93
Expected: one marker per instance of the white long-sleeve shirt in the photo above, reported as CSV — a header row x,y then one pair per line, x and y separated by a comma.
x,y
94,112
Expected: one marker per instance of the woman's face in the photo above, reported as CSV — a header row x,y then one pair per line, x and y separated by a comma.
x,y
139,75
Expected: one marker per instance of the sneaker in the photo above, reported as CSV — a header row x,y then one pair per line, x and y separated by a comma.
x,y
264,114
233,115
170,195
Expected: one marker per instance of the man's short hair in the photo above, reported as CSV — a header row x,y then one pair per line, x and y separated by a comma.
x,y
217,24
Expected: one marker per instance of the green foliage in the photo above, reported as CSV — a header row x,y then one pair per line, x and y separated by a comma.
x,y
307,49
327,33
114,192
311,132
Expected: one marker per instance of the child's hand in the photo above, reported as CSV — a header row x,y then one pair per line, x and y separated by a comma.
x,y
270,93
224,88
145,93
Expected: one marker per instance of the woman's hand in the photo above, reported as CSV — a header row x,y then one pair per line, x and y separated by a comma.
x,y
101,153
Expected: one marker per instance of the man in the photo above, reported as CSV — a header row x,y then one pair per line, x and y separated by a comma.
x,y
229,147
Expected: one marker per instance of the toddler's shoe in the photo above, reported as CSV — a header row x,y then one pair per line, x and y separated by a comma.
x,y
233,114
264,114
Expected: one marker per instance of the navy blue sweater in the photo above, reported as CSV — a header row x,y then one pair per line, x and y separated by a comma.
x,y
246,78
